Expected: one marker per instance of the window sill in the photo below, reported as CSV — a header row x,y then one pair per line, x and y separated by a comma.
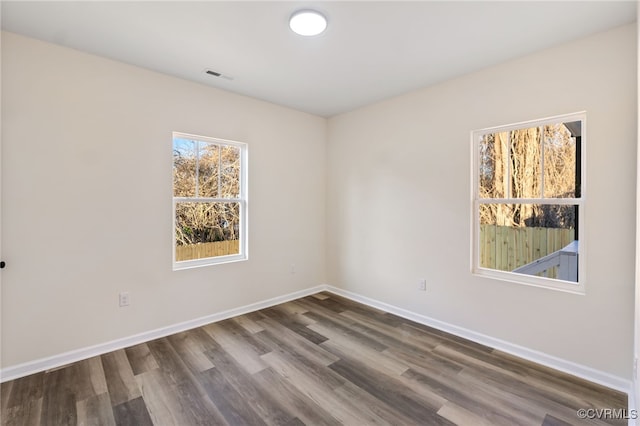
x,y
198,263
533,281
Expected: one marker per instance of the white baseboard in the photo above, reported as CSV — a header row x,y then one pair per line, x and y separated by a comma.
x,y
587,373
582,371
43,364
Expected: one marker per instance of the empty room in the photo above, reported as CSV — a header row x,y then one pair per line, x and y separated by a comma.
x,y
319,213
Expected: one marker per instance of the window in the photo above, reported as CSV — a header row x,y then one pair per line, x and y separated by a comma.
x,y
209,201
528,192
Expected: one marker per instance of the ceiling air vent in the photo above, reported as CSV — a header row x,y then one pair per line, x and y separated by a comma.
x,y
217,74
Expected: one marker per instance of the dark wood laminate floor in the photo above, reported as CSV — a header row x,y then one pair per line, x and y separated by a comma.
x,y
319,360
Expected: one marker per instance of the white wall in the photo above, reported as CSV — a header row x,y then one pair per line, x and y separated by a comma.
x,y
399,200
86,199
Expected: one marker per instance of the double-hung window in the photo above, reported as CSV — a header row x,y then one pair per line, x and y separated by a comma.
x,y
528,202
209,201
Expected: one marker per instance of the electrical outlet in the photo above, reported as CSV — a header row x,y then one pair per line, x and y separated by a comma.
x,y
292,269
124,299
422,285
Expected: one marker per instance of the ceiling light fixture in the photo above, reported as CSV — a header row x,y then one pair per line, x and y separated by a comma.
x,y
307,22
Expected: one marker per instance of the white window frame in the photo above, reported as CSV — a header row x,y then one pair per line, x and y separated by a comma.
x,y
243,252
518,278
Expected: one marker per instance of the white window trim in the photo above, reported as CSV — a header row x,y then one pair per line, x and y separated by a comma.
x,y
242,200
512,277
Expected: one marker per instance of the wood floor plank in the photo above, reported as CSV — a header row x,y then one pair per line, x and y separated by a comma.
x,y
173,367
246,322
291,322
529,398
461,416
317,391
370,405
481,400
311,366
121,383
344,346
179,387
162,405
371,374
266,404
517,379
204,339
298,404
549,420
291,309
227,400
195,402
343,326
424,362
133,412
388,391
285,363
59,402
293,313
18,391
95,411
241,335
319,360
548,377
28,413
332,304
452,340
174,402
275,335
246,352
394,337
320,296
191,351
341,304
5,391
140,358
89,378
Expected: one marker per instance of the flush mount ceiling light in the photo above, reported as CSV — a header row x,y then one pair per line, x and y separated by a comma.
x,y
307,22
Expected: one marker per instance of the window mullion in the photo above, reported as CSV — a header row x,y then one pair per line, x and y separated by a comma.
x,y
542,179
508,176
207,200
197,173
545,201
219,170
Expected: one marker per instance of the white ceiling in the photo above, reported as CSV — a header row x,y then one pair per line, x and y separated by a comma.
x,y
370,51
